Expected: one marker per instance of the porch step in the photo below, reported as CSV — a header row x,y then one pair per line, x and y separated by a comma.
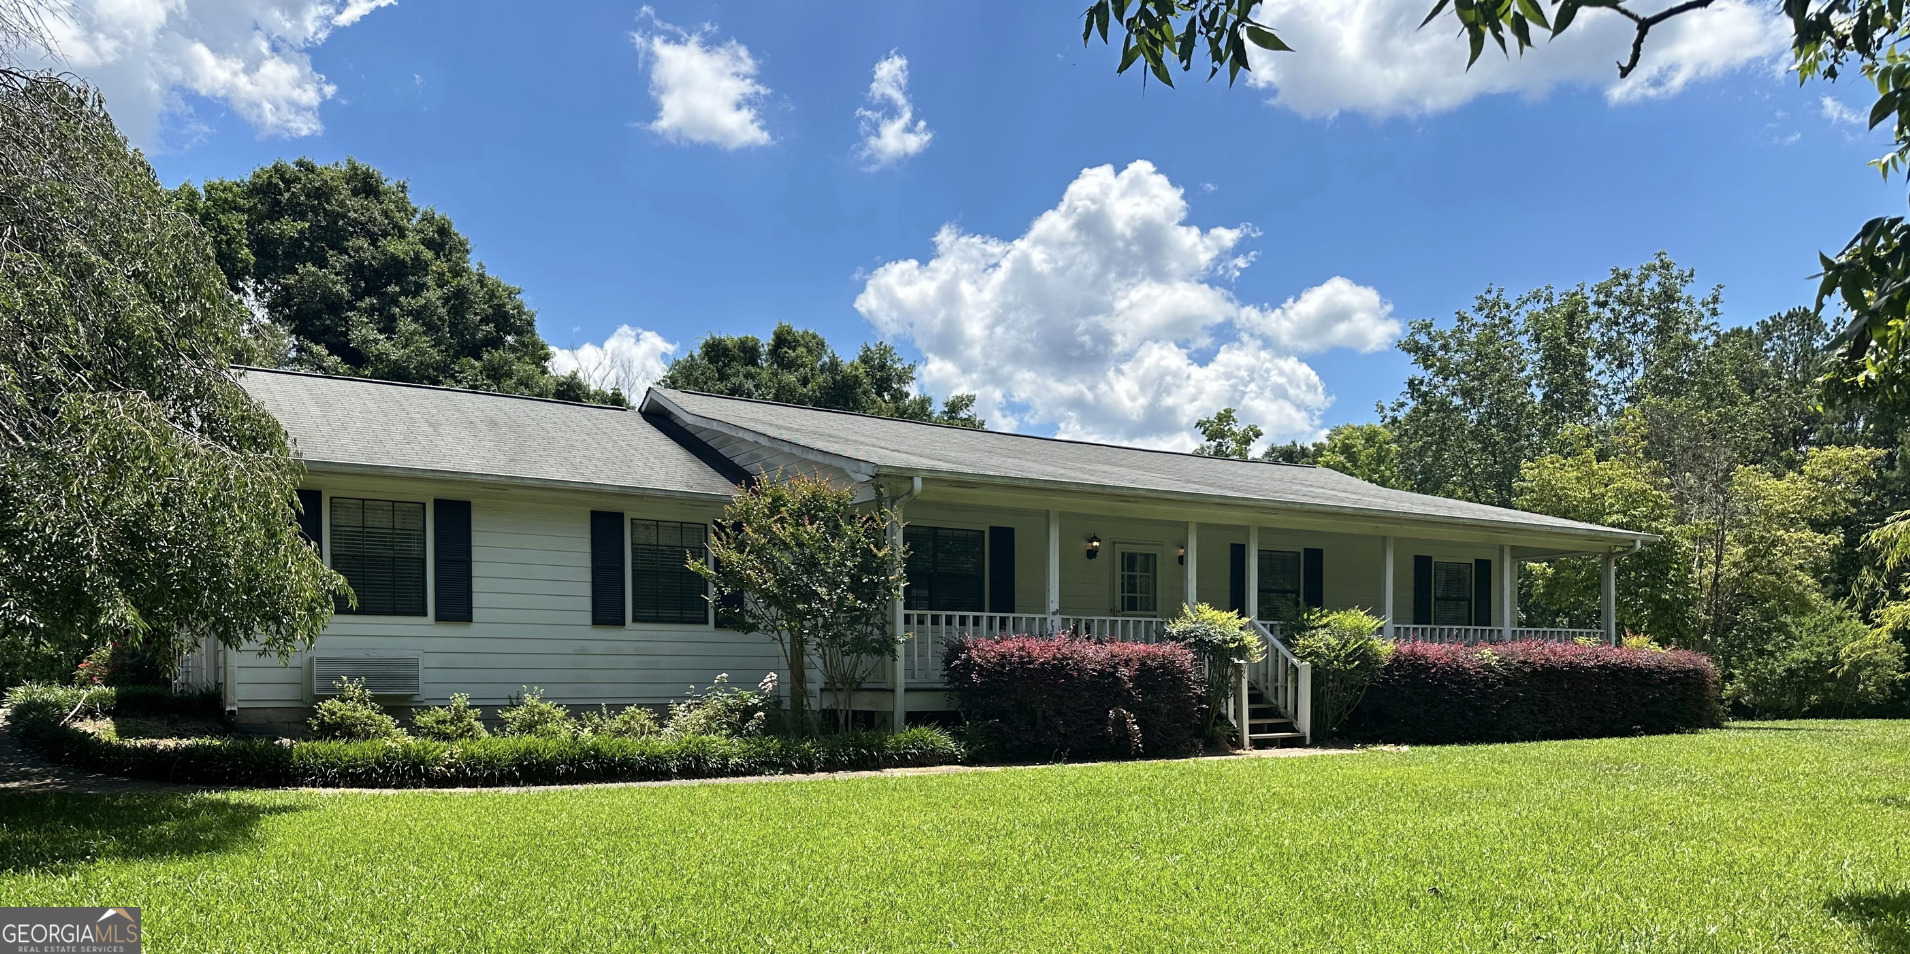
x,y
1279,739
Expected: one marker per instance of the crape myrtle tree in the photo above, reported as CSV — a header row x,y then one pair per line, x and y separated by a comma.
x,y
1869,277
352,277
145,499
796,558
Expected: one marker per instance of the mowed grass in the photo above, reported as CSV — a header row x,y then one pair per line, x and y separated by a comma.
x,y
1767,837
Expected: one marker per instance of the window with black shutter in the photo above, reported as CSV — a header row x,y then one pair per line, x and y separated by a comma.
x,y
663,588
946,569
378,546
1452,594
1280,579
606,568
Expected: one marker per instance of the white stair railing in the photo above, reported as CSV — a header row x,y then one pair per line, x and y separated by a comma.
x,y
1285,679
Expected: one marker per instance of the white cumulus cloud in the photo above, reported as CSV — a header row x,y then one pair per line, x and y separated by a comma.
x,y
252,56
631,359
1371,57
890,131
706,92
1108,320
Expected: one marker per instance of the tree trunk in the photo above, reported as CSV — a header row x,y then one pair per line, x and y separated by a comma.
x,y
798,659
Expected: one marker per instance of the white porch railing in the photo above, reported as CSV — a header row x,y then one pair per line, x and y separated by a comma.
x,y
199,670
1471,635
1285,679
922,655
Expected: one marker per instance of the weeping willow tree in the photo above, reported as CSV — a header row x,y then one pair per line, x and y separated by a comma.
x,y
145,499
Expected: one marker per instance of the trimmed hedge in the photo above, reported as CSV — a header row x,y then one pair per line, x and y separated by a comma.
x,y
36,711
1067,697
1523,691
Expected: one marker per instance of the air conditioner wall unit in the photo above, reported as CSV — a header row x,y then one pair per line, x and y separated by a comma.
x,y
383,675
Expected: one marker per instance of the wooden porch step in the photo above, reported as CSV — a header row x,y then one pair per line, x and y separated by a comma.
x,y
1274,736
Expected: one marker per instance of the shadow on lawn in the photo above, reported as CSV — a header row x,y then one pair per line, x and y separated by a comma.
x,y
1882,916
52,832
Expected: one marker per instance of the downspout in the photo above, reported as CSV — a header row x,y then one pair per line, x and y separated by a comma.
x,y
899,670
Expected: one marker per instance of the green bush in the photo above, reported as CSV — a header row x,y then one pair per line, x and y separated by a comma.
x,y
634,722
1825,663
1223,644
1346,653
122,664
457,722
37,711
352,716
529,714
726,711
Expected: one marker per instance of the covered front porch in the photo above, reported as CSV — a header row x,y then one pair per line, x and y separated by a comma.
x,y
980,565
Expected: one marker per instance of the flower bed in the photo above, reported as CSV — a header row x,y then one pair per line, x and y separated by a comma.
x,y
1513,692
37,714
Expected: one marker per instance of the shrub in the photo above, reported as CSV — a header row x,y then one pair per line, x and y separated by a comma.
x,y
1067,697
123,664
1222,644
1520,691
725,711
352,716
634,722
529,714
457,722
1825,663
1346,654
36,713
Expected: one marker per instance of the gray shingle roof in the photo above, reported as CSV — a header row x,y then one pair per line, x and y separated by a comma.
x,y
909,447
367,425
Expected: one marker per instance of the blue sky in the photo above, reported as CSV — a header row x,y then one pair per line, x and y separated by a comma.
x,y
1367,178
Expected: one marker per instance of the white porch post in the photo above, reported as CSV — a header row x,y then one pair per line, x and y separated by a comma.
x,y
1386,584
1608,597
1508,585
1054,571
898,675
1253,572
1193,548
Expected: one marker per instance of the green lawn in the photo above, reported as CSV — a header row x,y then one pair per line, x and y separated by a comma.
x,y
1767,837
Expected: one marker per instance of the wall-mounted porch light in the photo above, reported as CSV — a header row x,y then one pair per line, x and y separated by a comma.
x,y
1183,554
1094,546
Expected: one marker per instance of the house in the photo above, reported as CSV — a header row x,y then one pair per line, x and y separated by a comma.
x,y
497,542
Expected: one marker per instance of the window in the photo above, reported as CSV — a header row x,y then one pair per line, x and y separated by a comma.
x,y
1137,577
378,546
663,588
1280,574
1452,594
946,569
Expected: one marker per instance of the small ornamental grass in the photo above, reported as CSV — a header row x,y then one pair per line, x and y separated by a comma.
x,y
1523,691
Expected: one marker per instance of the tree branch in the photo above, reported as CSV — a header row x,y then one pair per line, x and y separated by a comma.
x,y
1645,23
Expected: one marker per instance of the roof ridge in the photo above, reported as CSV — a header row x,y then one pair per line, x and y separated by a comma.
x,y
357,379
984,430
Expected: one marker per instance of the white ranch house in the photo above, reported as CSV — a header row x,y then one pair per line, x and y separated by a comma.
x,y
497,542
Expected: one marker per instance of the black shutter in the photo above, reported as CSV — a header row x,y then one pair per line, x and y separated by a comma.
x,y
1482,592
1001,569
731,602
311,519
606,568
1237,577
452,553
1422,590
1312,570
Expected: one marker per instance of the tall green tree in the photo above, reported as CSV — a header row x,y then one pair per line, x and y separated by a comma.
x,y
1223,435
351,277
797,366
144,497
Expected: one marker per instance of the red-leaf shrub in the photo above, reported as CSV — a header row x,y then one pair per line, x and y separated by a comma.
x,y
1513,692
1072,698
